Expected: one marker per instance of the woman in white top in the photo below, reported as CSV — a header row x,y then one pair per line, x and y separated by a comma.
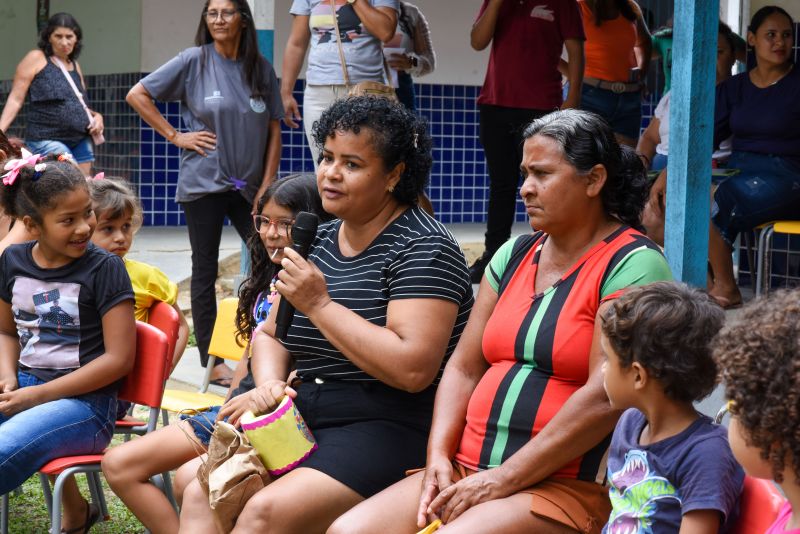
x,y
417,59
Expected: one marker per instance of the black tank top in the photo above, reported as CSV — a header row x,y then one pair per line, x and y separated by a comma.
x,y
55,113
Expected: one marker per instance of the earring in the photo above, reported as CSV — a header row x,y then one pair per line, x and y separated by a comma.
x,y
390,189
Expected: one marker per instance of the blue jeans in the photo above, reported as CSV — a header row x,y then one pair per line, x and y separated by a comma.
x,y
64,427
81,151
766,189
623,111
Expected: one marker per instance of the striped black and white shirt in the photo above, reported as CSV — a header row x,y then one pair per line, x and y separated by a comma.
x,y
415,257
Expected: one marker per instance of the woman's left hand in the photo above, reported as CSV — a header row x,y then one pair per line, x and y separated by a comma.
x,y
400,62
97,125
475,489
19,400
302,283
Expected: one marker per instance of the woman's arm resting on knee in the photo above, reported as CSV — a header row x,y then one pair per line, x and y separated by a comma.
x,y
406,354
464,370
119,338
580,424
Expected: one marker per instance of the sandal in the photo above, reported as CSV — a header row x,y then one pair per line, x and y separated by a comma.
x,y
224,382
726,303
92,517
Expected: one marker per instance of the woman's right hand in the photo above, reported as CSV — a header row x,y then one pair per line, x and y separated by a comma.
x,y
438,476
291,112
260,400
197,141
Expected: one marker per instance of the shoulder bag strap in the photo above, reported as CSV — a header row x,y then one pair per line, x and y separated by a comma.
x,y
339,42
75,88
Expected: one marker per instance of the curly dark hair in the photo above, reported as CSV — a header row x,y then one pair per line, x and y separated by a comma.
x,y
295,192
759,356
667,327
60,20
33,193
251,58
586,140
398,136
7,148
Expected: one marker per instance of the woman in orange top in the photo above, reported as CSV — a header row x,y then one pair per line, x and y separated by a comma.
x,y
617,52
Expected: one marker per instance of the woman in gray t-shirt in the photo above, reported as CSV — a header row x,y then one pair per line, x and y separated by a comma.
x,y
231,106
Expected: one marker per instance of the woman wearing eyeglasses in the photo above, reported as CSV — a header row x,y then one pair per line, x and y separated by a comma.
x,y
231,106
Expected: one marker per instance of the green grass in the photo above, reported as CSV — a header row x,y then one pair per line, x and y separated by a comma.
x,y
28,513
192,341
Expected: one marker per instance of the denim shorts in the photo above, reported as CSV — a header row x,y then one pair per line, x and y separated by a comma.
x,y
203,423
81,151
64,427
623,111
766,189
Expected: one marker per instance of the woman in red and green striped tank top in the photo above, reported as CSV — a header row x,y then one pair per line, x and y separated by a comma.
x,y
521,421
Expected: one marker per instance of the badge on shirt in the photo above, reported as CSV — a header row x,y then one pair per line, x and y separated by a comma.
x,y
257,105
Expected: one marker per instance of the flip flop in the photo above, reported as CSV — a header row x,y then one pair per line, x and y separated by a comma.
x,y
92,517
726,304
221,382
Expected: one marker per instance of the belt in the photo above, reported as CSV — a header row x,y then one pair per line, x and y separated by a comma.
x,y
614,87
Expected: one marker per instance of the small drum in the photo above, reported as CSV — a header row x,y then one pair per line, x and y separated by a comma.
x,y
281,438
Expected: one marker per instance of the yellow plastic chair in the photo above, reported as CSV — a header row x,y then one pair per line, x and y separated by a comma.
x,y
764,249
223,345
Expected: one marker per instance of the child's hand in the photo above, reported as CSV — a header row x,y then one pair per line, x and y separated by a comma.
x,y
8,383
262,399
19,400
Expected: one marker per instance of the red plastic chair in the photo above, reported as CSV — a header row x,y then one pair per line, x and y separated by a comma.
x,y
758,506
165,318
143,385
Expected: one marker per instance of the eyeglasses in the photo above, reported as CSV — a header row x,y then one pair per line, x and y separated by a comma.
x,y
262,224
226,15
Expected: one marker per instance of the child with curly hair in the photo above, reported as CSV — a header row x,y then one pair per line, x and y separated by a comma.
x,y
670,468
759,355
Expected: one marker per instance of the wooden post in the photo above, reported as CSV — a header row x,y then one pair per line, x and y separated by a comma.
x,y
690,144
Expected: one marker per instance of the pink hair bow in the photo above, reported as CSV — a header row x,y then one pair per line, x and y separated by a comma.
x,y
13,166
98,176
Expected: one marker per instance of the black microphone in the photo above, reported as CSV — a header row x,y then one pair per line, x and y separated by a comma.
x,y
304,230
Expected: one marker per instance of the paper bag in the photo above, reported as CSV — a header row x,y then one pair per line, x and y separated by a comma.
x,y
232,474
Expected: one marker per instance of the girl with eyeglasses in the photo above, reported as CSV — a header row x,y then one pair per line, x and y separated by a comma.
x,y
231,106
128,468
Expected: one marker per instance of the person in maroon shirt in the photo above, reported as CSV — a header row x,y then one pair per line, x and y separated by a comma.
x,y
522,83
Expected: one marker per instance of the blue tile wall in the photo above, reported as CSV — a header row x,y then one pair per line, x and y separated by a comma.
x,y
458,186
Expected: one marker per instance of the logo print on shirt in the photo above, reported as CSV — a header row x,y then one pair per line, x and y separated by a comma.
x,y
257,105
216,95
541,12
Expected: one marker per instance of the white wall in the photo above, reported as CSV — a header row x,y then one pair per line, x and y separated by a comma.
x,y
167,28
791,6
111,31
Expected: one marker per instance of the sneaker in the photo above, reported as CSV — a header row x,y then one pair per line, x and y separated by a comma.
x,y
477,268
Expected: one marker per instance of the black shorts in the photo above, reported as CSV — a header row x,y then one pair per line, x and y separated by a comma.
x,y
368,433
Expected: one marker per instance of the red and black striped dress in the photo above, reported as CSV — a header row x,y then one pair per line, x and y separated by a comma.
x,y
538,344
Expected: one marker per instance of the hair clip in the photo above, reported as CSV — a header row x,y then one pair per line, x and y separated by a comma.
x,y
15,165
416,137
98,176
66,157
38,169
